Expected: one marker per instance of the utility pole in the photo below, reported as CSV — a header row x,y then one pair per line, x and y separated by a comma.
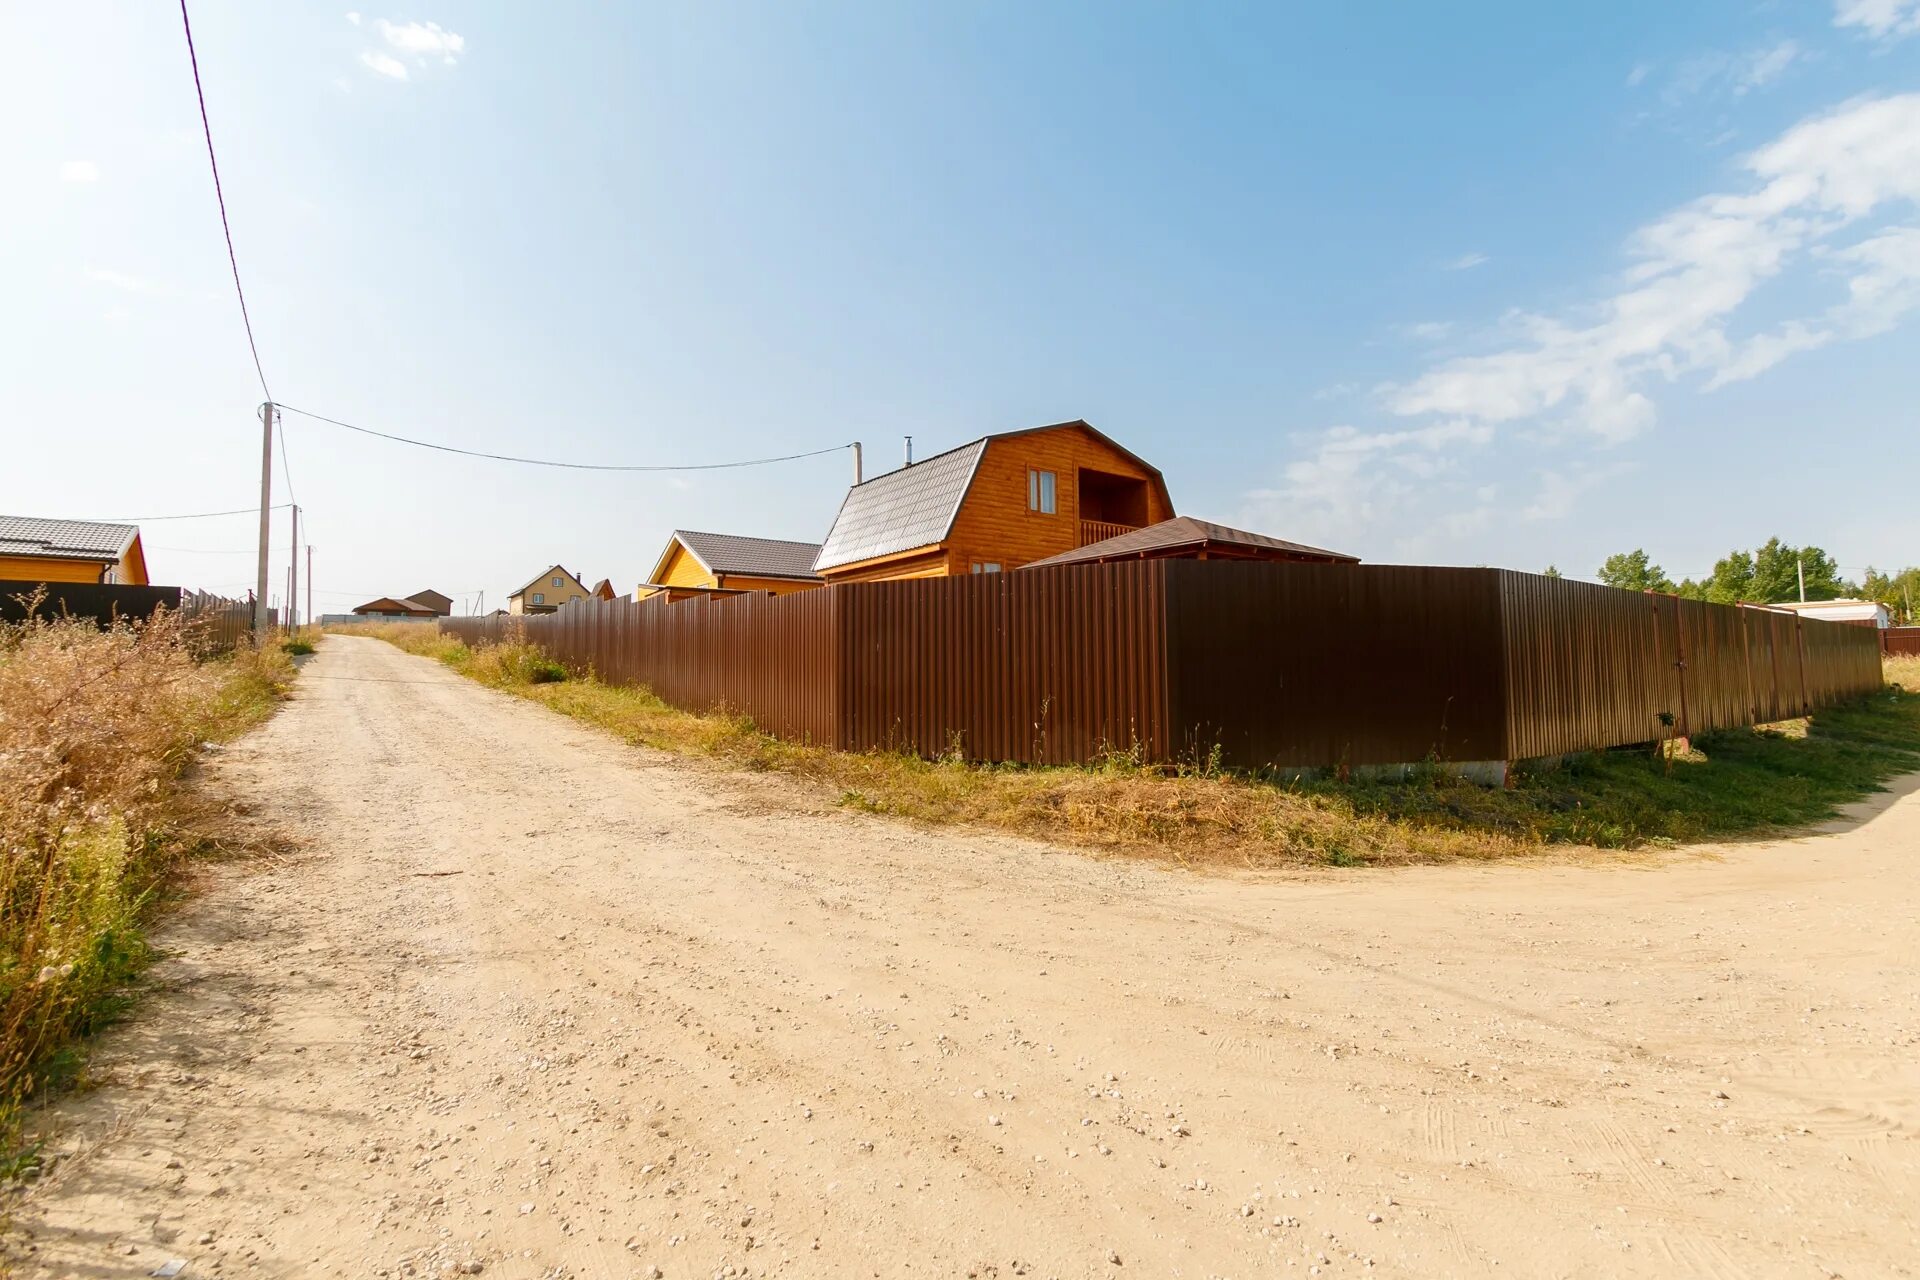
x,y
293,568
309,584
266,506
1800,566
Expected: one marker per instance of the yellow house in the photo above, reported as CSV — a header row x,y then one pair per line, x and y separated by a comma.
x,y
547,591
728,562
34,550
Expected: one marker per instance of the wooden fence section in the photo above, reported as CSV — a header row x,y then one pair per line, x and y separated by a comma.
x,y
1265,664
218,623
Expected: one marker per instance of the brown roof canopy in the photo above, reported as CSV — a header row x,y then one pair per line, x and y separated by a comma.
x,y
1189,535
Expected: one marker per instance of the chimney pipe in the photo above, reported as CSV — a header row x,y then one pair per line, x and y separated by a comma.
x,y
909,450
856,462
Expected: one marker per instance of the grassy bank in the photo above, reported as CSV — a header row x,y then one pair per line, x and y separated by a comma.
x,y
98,732
1731,785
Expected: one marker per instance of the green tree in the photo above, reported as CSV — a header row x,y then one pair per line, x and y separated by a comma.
x,y
1633,571
1551,571
1771,575
1900,592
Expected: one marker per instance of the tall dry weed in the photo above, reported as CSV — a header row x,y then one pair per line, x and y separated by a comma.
x,y
96,728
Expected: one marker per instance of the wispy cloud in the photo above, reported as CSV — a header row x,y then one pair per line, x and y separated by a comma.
x,y
1881,19
1465,262
79,171
422,39
1722,75
119,280
1831,199
1427,330
1641,70
409,43
384,64
1693,269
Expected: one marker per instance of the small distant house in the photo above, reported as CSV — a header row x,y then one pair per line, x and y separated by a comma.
x,y
37,550
603,590
711,562
546,592
998,503
389,607
442,605
1861,613
1190,538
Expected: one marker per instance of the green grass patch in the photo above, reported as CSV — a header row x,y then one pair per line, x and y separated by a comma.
x,y
1736,784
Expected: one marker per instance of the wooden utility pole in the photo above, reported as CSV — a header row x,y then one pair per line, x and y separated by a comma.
x,y
266,506
309,584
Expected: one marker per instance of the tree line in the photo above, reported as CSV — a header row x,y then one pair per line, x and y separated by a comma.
x,y
1769,574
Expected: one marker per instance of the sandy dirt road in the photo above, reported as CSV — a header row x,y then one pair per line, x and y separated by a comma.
x,y
532,1002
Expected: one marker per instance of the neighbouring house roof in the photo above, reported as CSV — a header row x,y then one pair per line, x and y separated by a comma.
x,y
434,600
1187,533
65,539
916,506
720,553
1837,610
387,604
901,510
603,590
539,577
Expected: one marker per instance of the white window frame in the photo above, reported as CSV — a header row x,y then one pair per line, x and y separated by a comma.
x,y
539,597
1043,492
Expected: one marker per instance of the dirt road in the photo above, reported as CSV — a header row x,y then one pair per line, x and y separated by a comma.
x,y
531,1001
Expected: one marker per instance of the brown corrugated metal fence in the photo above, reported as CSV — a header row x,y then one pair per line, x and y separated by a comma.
x,y
1899,642
1265,664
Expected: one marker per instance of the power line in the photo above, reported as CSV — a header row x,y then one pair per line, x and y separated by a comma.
x,y
196,515
220,195
571,466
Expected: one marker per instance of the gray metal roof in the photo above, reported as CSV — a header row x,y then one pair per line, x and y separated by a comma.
x,y
901,510
1184,532
64,539
755,557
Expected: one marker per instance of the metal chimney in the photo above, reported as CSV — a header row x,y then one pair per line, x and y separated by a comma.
x,y
856,462
909,450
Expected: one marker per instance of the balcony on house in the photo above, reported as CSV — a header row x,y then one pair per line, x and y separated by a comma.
x,y
1110,505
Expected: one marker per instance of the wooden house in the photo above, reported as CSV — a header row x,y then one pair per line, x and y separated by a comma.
x,y
1000,502
395,607
701,563
547,591
37,550
441,604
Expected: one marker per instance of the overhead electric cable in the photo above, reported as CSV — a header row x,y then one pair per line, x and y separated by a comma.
x,y
571,466
195,515
220,195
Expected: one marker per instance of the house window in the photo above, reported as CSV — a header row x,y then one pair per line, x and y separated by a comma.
x,y
559,583
539,597
1040,492
986,566
573,599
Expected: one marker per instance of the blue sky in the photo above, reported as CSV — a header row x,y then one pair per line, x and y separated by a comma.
x,y
1507,284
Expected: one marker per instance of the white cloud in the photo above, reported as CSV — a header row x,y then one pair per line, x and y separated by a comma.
x,y
1641,70
1881,19
1721,74
79,171
384,64
1465,262
119,280
354,18
1428,330
422,39
1695,268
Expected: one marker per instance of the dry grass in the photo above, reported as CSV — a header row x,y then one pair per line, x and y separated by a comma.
x,y
98,729
1728,786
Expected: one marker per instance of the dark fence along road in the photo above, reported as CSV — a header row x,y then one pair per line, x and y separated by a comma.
x,y
1265,664
219,624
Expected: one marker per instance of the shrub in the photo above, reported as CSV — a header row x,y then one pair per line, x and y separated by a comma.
x,y
96,728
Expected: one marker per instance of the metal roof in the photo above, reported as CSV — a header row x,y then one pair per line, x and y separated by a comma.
x,y
65,539
412,607
901,510
1184,532
754,557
